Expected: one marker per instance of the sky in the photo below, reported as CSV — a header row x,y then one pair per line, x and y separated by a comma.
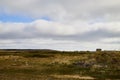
x,y
60,24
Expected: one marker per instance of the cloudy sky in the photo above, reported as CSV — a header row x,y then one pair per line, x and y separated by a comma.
x,y
60,24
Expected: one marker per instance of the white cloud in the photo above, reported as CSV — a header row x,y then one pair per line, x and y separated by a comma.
x,y
84,22
57,29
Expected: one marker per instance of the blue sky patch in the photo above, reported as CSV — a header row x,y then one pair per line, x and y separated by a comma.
x,y
15,18
20,18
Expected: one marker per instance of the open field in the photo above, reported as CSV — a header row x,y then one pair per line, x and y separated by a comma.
x,y
58,65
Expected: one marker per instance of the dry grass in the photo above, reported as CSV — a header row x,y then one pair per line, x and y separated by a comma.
x,y
73,77
55,67
29,68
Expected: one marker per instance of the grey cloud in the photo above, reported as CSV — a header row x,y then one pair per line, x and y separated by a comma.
x,y
93,36
64,10
33,33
